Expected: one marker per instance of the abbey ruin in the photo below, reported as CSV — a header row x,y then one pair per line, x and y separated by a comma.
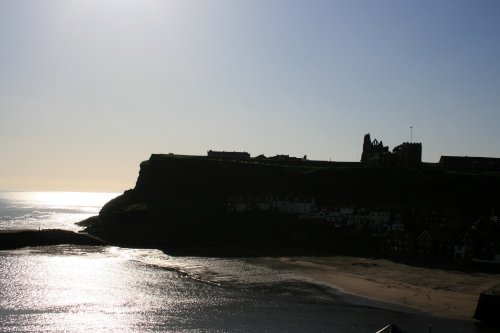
x,y
375,154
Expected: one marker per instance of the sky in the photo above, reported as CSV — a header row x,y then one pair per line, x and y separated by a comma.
x,y
90,88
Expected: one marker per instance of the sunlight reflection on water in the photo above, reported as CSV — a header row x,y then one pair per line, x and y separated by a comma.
x,y
70,285
60,210
62,199
66,200
75,289
109,289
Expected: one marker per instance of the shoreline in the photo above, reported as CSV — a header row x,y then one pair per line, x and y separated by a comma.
x,y
441,293
438,292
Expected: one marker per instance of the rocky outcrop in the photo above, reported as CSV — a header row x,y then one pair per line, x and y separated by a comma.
x,y
14,239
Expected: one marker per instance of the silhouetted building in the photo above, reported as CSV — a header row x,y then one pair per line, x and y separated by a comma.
x,y
470,163
288,158
375,154
228,155
407,154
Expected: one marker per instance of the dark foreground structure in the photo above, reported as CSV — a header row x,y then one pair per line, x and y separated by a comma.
x,y
488,306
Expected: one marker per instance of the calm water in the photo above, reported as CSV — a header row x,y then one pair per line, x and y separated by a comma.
x,y
110,289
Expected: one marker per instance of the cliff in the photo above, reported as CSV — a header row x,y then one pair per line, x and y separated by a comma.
x,y
182,201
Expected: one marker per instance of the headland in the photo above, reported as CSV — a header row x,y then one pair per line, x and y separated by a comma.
x,y
390,204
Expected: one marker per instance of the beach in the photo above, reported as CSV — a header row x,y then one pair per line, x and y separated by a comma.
x,y
438,292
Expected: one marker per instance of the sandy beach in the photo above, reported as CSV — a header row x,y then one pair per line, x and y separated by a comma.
x,y
443,293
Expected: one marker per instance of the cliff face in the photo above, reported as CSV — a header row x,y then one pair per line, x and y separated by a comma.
x,y
185,199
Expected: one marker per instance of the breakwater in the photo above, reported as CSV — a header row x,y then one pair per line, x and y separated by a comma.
x,y
13,239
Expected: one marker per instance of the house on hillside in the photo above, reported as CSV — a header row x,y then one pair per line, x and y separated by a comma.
x,y
397,243
285,205
293,205
424,244
488,249
464,247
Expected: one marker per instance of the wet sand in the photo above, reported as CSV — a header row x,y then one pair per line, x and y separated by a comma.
x,y
443,293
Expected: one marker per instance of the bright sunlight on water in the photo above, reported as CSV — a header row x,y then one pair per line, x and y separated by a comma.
x,y
64,200
49,210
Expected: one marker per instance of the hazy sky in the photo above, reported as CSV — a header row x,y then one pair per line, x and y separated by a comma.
x,y
90,88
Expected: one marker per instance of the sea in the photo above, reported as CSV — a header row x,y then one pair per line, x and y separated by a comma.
x,y
69,288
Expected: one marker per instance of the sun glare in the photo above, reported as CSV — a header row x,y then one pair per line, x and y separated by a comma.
x,y
72,199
